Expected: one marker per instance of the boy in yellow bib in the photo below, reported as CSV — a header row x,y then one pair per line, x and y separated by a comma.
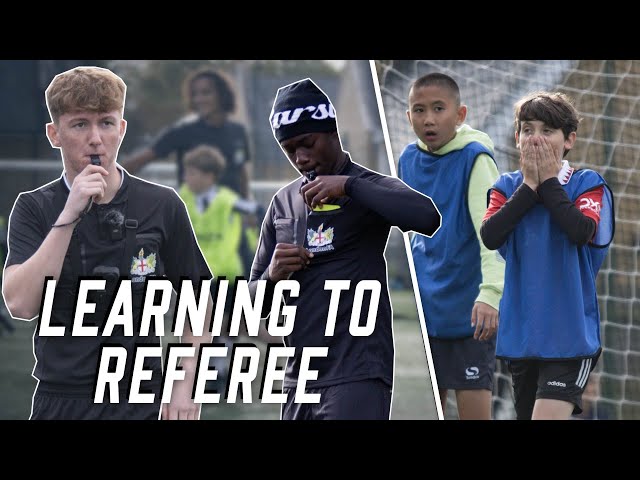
x,y
216,221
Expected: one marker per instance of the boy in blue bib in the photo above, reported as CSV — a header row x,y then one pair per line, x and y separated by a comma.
x,y
460,281
553,226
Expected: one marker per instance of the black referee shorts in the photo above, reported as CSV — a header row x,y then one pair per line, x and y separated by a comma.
x,y
361,400
61,406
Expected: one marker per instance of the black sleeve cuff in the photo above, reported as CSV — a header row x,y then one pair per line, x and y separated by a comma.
x,y
527,194
265,276
550,188
348,184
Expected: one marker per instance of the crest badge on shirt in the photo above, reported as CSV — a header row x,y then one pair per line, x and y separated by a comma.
x,y
320,240
142,266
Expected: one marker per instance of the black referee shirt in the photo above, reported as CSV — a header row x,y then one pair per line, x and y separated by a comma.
x,y
348,244
164,246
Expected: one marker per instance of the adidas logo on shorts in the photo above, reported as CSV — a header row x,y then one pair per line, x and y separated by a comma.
x,y
557,384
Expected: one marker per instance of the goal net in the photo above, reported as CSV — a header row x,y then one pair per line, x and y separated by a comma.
x,y
607,94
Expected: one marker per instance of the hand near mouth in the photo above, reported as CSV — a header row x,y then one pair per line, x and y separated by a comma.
x,y
323,189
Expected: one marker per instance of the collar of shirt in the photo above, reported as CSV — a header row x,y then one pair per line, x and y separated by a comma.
x,y
565,173
66,181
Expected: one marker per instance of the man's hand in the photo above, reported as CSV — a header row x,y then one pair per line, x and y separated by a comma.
x,y
288,258
182,407
485,318
549,160
89,183
323,189
529,163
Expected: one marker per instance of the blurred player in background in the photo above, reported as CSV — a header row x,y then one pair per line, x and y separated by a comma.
x,y
216,215
210,95
460,280
553,226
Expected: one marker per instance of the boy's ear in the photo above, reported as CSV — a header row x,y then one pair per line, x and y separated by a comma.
x,y
409,116
517,140
52,135
570,142
462,115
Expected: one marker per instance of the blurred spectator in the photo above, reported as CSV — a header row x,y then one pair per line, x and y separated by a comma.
x,y
216,214
209,95
216,211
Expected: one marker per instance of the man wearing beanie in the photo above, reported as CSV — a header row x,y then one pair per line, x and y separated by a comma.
x,y
333,223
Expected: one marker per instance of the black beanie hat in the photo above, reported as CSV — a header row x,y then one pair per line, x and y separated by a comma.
x,y
299,108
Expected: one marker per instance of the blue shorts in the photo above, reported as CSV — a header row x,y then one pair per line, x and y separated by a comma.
x,y
463,363
361,400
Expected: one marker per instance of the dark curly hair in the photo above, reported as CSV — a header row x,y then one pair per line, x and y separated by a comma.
x,y
221,83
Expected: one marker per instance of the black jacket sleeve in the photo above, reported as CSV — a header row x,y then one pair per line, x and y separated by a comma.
x,y
495,229
260,268
396,202
578,227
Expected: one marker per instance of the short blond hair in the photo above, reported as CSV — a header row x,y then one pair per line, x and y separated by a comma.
x,y
92,89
